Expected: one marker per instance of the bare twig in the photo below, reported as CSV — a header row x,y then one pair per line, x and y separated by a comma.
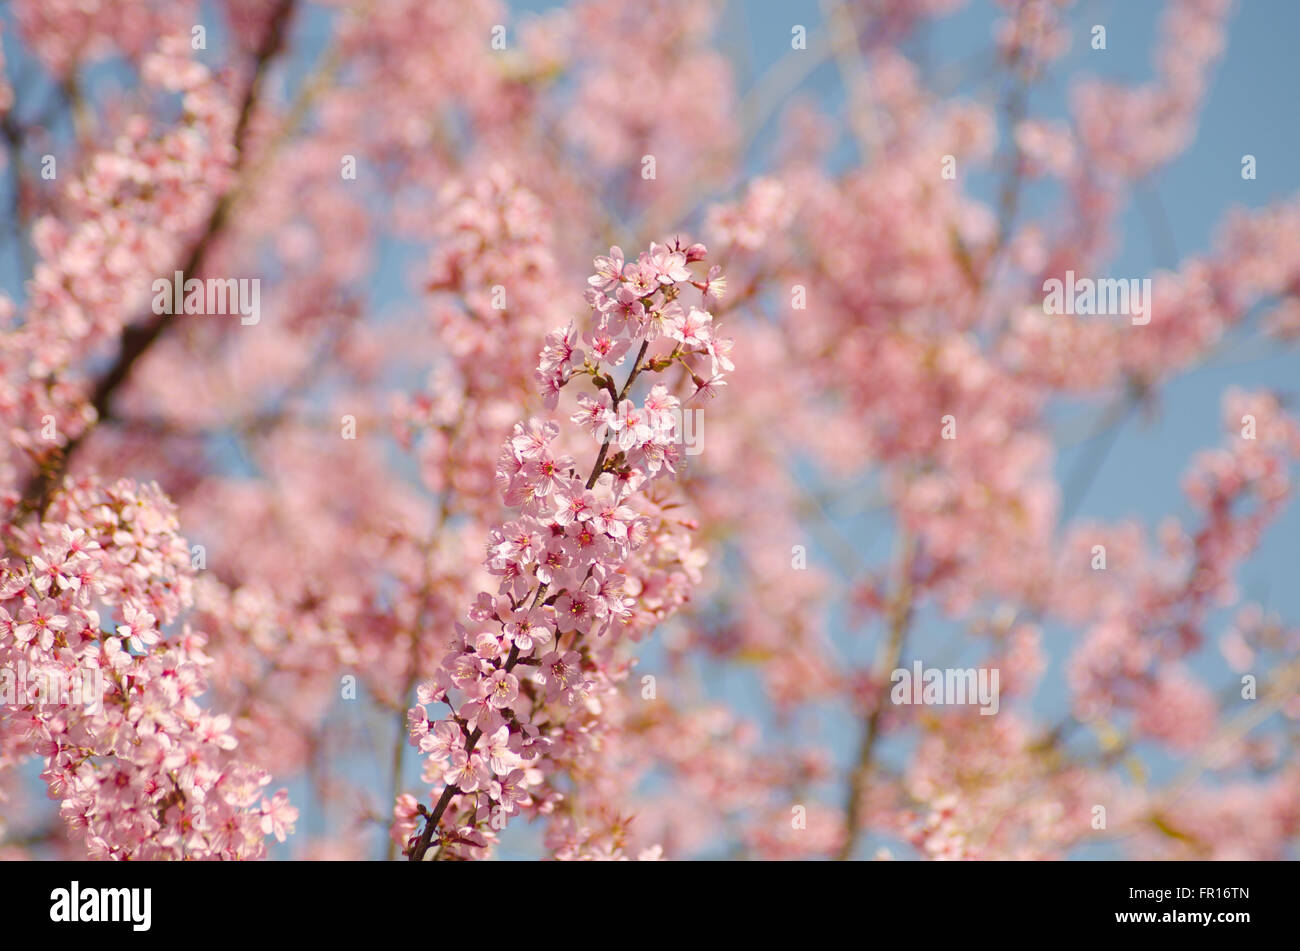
x,y
900,617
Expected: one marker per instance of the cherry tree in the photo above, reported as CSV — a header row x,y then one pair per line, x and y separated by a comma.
x,y
439,431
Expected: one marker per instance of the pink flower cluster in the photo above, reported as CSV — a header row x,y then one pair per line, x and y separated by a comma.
x,y
639,300
143,772
114,235
566,566
1131,655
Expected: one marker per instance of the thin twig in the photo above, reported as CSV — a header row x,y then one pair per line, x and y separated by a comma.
x,y
900,617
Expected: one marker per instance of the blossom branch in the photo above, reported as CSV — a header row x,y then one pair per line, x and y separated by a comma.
x,y
137,338
575,541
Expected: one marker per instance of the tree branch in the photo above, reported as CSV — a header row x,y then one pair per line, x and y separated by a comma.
x,y
900,616
136,339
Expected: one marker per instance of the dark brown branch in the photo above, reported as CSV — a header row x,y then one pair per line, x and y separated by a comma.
x,y
136,339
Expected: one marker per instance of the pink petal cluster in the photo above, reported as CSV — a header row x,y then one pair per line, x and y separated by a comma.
x,y
532,657
145,772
